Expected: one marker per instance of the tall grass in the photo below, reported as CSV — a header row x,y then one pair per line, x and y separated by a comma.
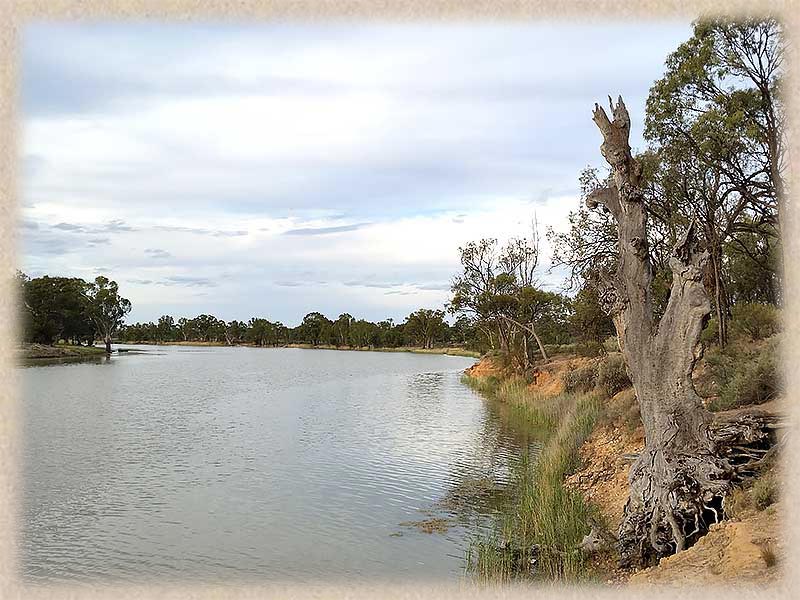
x,y
547,520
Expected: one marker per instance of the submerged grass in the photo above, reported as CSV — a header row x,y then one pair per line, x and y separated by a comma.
x,y
537,537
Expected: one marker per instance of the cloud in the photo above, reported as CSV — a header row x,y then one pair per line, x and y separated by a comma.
x,y
245,153
290,283
373,284
200,231
188,281
325,230
70,227
433,286
115,226
157,253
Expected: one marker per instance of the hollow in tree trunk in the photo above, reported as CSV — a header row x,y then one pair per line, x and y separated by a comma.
x,y
679,481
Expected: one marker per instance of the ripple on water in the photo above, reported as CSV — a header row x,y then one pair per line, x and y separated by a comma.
x,y
254,464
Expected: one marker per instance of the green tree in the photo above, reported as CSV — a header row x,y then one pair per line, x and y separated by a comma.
x,y
107,308
425,326
55,308
165,328
588,321
313,326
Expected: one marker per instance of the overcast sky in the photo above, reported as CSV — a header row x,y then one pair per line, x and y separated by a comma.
x,y
277,169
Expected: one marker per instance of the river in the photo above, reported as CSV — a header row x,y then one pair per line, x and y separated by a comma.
x,y
252,465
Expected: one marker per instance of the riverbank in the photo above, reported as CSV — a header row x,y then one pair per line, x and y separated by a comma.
x,y
449,351
36,352
586,416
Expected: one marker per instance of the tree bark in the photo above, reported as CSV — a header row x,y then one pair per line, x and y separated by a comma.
x,y
679,482
108,344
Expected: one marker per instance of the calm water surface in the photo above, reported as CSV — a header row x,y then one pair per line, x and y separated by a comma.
x,y
246,464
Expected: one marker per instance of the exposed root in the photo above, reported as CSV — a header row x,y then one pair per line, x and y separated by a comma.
x,y
677,496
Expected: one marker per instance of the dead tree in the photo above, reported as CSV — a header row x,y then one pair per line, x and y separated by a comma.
x,y
689,464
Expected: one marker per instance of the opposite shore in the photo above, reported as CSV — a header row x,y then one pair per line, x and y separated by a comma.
x,y
42,352
453,351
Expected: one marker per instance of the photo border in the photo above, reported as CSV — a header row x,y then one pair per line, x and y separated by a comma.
x,y
15,14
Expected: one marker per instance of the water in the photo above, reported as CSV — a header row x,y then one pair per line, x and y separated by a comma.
x,y
251,465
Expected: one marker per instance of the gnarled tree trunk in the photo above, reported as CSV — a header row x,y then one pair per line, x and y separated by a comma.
x,y
679,482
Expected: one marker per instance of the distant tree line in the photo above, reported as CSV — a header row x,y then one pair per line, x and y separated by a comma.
x,y
74,311
424,328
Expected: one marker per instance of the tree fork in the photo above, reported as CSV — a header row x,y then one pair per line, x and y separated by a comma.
x,y
679,482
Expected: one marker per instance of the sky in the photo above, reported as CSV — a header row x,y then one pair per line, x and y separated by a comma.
x,y
281,168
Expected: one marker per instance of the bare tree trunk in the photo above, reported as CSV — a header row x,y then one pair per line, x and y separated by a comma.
x,y
679,482
529,328
108,343
720,291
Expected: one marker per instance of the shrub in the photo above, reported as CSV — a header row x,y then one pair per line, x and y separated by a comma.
x,y
581,379
611,344
612,375
759,321
737,504
710,333
747,378
769,554
623,411
590,349
765,491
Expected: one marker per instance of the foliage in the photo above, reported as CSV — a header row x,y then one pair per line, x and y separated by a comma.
x,y
581,379
612,375
497,290
589,348
55,308
746,373
425,326
70,309
622,410
588,321
759,321
611,344
765,491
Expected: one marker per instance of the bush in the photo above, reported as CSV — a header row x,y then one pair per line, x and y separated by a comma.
x,y
710,333
581,379
612,375
622,411
758,321
611,344
747,379
765,491
590,349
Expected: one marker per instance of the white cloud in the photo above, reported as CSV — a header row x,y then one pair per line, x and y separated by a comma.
x,y
180,158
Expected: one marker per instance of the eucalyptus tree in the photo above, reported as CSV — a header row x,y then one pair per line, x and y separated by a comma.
x,y
497,291
425,326
680,480
721,96
106,308
341,329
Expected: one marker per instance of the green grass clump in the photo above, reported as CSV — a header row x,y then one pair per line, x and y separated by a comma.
x,y
765,491
546,513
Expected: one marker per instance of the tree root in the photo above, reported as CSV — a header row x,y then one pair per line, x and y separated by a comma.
x,y
676,495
